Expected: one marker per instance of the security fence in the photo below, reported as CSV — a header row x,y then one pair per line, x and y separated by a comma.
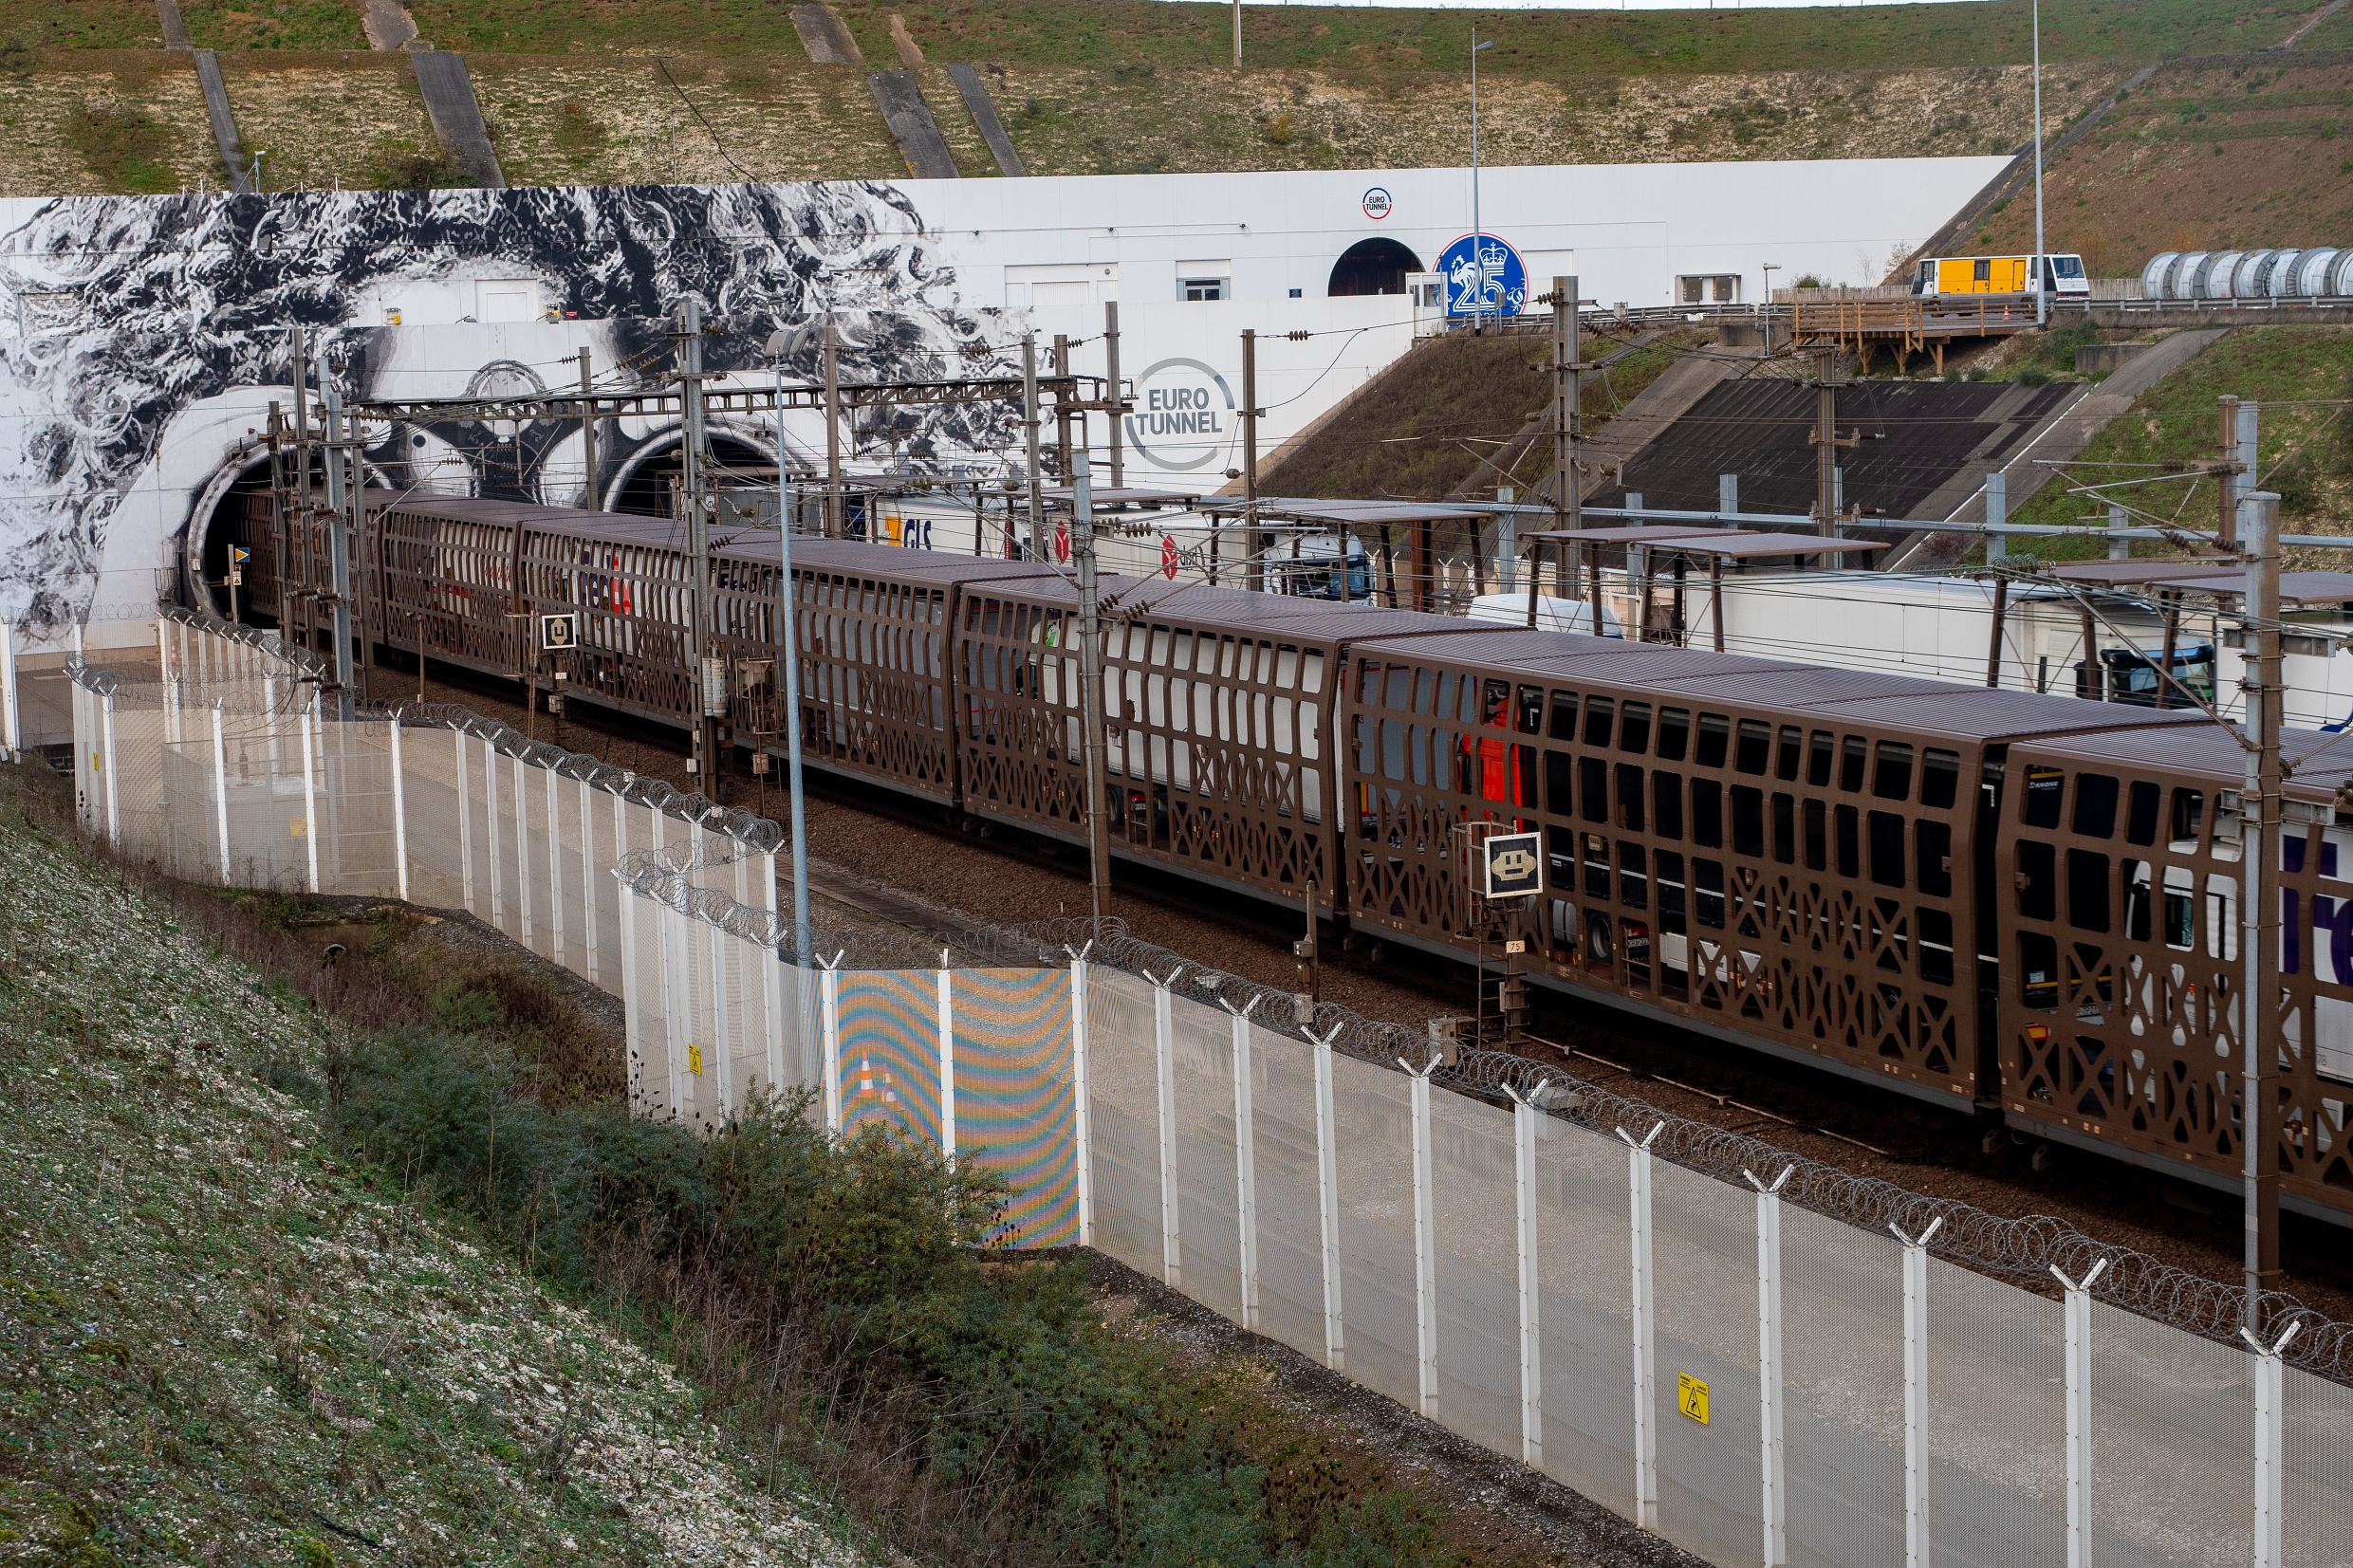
x,y
1759,1358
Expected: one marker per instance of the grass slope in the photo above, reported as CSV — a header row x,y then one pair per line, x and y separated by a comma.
x,y
2304,448
1581,42
223,1345
2207,154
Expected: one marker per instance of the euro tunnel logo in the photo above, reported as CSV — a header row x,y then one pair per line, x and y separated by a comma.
x,y
1512,865
1183,415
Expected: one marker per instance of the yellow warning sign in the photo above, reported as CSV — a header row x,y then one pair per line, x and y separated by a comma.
x,y
1691,1396
298,827
695,1066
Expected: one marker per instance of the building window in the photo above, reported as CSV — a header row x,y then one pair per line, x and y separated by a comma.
x,y
1708,289
1204,288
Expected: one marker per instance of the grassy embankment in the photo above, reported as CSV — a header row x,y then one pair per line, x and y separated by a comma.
x,y
385,1263
1429,421
2305,445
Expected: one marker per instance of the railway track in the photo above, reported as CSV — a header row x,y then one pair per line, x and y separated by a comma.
x,y
923,869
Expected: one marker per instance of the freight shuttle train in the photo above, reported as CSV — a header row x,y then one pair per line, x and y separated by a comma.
x,y
2010,904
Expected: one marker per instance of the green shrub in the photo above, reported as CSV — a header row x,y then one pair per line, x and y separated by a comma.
x,y
1001,1377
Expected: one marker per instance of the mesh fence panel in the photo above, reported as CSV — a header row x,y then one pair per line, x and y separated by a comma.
x,y
1014,1104
1124,1113
2316,1492
1997,1422
1585,1264
1282,1149
2172,1445
430,796
890,1052
1209,1201
647,1008
1374,1126
698,1023
359,847
1703,1314
1842,1346
1475,1232
747,1016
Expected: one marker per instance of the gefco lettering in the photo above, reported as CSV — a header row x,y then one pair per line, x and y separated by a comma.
x,y
1179,411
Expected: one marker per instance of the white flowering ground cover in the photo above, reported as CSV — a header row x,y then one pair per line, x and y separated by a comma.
x,y
219,1345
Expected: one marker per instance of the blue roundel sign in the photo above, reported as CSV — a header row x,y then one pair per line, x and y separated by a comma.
x,y
1502,291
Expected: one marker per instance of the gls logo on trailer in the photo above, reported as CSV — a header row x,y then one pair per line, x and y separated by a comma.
x,y
1182,414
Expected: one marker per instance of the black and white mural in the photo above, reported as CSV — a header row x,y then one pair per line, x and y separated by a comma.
x,y
151,335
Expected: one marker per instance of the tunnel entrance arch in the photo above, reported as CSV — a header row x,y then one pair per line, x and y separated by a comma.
x,y
1372,267
648,483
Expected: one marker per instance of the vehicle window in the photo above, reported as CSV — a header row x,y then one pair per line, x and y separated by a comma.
x,y
1497,706
1850,822
1708,890
1748,821
1817,836
1887,849
1633,877
2038,894
1528,720
2188,818
1557,768
1706,813
1633,728
1666,805
1594,783
1564,716
1598,712
1818,763
1940,779
1852,759
1892,780
2141,827
2087,890
1630,797
1714,736
1756,738
1793,747
1674,733
2095,805
1785,828
2044,788
1933,841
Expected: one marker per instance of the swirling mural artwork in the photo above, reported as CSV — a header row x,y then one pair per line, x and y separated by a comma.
x,y
146,325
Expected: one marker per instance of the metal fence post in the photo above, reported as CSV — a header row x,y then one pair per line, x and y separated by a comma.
x,y
399,817
675,1013
311,721
1081,1111
771,972
722,1038
947,1059
114,767
2079,1412
1525,1124
220,786
522,852
465,827
2270,1433
489,815
1774,1495
1164,1054
555,874
1245,1163
631,998
1916,1545
588,876
12,727
829,1036
1425,1237
1645,1437
1328,1201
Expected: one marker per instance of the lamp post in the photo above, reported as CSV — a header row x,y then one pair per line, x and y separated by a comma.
x,y
1478,232
781,347
2042,296
1770,267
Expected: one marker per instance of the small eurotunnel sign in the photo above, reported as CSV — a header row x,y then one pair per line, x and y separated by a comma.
x,y
559,633
1691,1396
1512,865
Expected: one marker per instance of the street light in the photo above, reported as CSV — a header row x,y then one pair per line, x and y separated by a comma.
x,y
783,347
1767,305
2042,297
1478,234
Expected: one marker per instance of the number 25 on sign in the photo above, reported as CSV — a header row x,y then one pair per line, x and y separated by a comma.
x,y
1691,1396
